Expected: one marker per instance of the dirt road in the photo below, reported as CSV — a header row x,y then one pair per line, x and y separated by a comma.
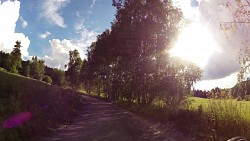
x,y
102,121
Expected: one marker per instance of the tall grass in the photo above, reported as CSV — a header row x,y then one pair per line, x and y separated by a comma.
x,y
206,119
228,118
216,120
50,106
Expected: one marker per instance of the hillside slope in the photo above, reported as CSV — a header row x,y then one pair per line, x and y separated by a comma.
x,y
49,106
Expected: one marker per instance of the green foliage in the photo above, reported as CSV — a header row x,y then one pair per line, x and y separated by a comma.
x,y
47,79
216,119
74,68
25,70
2,69
34,68
206,119
4,60
37,68
15,58
241,89
58,76
131,61
50,106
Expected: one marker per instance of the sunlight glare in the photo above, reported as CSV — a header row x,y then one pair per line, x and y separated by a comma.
x,y
195,44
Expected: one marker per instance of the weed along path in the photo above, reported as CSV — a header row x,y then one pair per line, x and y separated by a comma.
x,y
102,121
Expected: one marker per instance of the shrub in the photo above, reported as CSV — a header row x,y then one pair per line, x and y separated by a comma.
x,y
47,79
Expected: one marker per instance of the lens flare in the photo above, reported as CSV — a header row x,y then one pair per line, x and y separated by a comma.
x,y
17,120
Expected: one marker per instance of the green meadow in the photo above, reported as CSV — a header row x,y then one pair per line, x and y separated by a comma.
x,y
215,119
206,119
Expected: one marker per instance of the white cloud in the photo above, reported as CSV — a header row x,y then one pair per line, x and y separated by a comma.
x,y
60,48
25,42
226,82
8,37
91,7
51,11
93,4
86,36
60,52
44,35
24,22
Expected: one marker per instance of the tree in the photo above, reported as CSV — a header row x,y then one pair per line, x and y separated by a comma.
x,y
240,13
57,76
15,58
74,68
131,61
241,18
37,68
25,70
5,60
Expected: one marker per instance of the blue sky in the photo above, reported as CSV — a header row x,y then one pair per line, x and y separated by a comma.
x,y
49,29
94,15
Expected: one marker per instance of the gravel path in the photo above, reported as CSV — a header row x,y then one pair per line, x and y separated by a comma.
x,y
102,121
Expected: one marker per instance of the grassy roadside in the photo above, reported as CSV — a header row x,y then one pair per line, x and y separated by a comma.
x,y
50,106
204,119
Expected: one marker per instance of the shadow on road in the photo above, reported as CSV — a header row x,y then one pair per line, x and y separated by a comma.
x,y
102,121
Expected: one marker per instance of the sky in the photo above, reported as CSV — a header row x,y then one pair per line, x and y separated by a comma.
x,y
49,29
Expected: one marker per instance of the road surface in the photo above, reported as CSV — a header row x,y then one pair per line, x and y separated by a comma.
x,y
103,121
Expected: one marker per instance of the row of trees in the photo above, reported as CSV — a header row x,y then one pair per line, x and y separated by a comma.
x,y
213,93
34,68
240,91
13,63
131,61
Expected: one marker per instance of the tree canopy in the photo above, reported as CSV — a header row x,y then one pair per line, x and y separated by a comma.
x,y
74,68
131,61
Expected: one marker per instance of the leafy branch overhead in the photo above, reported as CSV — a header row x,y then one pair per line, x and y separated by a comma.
x,y
240,12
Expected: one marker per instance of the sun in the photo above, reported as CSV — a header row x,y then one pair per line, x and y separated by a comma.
x,y
195,43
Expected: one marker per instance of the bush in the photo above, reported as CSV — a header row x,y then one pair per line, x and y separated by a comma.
x,y
47,79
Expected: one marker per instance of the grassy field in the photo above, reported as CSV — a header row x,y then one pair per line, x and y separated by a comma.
x,y
49,105
216,119
196,102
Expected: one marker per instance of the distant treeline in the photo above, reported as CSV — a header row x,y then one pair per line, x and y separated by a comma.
x,y
241,91
213,93
34,68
